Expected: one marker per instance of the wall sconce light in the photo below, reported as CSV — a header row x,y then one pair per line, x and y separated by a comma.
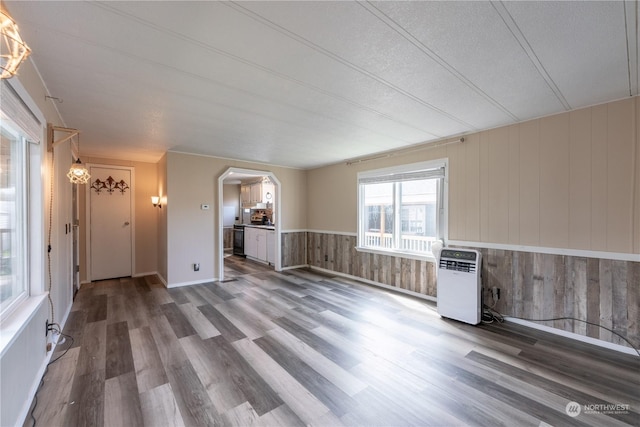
x,y
13,49
155,200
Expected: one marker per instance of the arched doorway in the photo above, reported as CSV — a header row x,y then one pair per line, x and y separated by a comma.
x,y
234,174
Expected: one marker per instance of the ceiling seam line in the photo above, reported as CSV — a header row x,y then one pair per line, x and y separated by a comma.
x,y
341,60
517,33
256,66
628,45
210,81
407,35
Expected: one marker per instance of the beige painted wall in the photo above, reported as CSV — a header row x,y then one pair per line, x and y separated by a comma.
x,y
146,216
567,181
191,232
231,197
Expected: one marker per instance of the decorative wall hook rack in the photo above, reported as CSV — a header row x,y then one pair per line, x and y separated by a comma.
x,y
110,185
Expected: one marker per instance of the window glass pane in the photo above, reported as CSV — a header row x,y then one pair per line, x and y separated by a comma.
x,y
12,217
402,208
378,220
418,201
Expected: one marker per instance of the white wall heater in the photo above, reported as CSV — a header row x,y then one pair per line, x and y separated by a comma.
x,y
459,286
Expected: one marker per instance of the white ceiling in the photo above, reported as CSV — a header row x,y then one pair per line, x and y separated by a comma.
x,y
305,84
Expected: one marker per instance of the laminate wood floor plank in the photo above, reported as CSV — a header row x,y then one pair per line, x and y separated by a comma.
x,y
227,329
169,348
53,396
322,346
178,321
334,398
209,297
122,401
148,365
268,348
241,415
330,370
220,291
248,325
119,358
194,298
198,321
75,328
137,312
213,374
282,416
97,310
86,400
303,403
159,407
256,391
177,296
195,405
93,351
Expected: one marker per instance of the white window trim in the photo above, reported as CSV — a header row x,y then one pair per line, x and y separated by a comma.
x,y
443,205
15,319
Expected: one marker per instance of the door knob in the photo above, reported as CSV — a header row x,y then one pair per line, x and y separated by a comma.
x,y
126,223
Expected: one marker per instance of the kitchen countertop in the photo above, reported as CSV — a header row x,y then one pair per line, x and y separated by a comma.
x,y
265,227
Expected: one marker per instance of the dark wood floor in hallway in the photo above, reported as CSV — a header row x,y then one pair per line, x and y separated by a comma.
x,y
298,348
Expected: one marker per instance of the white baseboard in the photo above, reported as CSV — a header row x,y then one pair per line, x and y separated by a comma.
x,y
378,284
293,267
150,273
572,335
555,331
195,282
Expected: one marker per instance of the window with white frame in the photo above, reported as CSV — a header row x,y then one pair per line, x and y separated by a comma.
x,y
13,215
403,209
21,212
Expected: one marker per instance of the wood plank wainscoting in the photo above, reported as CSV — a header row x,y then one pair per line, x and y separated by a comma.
x,y
533,285
300,348
294,249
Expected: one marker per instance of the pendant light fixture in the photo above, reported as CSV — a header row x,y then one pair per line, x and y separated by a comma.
x,y
78,173
12,49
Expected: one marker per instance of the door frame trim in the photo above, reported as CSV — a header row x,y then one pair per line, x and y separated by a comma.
x,y
277,208
87,204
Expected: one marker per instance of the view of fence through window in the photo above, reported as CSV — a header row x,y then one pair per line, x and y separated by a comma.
x,y
401,215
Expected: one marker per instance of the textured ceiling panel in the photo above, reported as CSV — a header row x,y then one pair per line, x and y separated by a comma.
x,y
310,83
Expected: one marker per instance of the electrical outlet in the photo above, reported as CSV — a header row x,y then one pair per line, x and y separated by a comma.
x,y
196,266
326,257
495,293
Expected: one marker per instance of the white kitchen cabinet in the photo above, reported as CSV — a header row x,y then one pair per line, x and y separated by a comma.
x,y
262,244
255,243
251,242
271,247
245,195
256,192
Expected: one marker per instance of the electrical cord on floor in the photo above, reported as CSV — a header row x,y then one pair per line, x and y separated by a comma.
x,y
35,397
489,315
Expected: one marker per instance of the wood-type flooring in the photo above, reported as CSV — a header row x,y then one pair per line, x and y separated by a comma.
x,y
299,348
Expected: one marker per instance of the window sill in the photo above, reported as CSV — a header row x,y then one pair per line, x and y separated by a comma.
x,y
18,320
399,254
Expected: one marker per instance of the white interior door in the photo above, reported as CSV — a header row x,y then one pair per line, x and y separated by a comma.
x,y
110,222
